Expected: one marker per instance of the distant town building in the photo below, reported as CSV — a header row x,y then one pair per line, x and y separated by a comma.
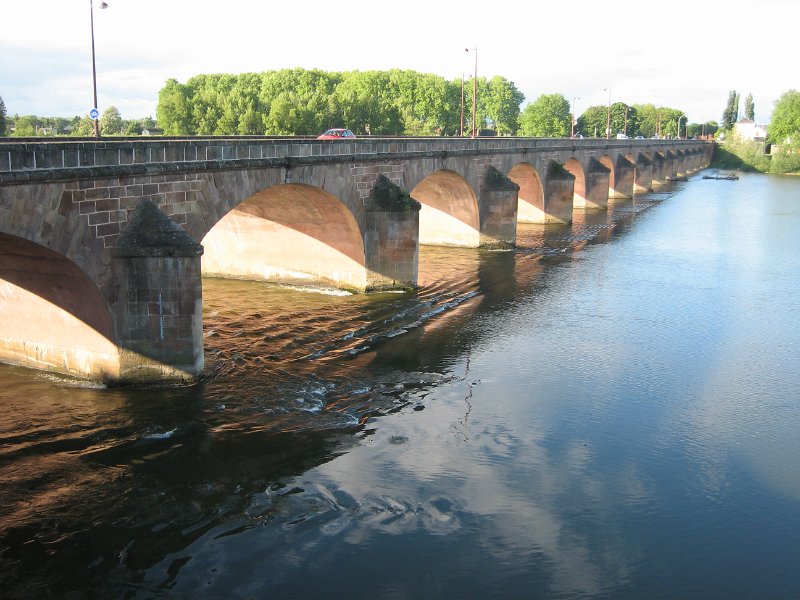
x,y
745,129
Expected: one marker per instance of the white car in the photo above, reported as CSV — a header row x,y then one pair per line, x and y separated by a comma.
x,y
622,136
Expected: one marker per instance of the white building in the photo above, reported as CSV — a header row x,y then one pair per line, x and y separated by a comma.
x,y
745,129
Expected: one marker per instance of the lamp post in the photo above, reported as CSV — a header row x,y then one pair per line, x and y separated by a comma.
x,y
658,124
572,127
95,122
461,129
608,119
625,131
679,126
474,92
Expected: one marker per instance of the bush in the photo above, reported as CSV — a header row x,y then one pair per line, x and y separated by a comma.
x,y
741,155
786,160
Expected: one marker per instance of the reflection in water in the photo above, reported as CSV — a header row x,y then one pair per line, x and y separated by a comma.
x,y
607,411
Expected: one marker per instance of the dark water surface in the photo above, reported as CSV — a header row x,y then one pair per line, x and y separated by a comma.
x,y
610,411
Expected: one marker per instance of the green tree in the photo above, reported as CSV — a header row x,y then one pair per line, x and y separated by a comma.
x,y
784,128
111,121
731,113
548,116
25,126
174,111
749,108
82,127
364,105
592,123
3,122
624,119
500,105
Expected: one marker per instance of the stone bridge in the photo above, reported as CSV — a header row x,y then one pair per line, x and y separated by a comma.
x,y
103,244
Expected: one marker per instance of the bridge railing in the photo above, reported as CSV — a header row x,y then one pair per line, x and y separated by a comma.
x,y
37,159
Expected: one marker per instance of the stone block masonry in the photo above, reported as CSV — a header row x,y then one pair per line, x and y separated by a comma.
x,y
107,204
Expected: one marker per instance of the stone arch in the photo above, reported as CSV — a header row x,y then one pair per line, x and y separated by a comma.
x,y
53,316
288,233
608,163
449,214
530,205
575,169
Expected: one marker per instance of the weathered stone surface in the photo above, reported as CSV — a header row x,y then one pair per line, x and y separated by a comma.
x,y
150,232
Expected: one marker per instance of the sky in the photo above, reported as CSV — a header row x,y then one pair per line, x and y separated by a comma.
x,y
683,54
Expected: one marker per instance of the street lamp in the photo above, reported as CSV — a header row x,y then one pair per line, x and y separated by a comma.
x,y
461,129
608,120
95,121
474,92
679,126
572,127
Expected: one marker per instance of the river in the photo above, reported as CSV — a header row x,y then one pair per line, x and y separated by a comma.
x,y
608,411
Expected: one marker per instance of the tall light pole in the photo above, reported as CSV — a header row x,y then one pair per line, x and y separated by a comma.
x,y
474,92
572,127
95,121
679,126
461,130
625,131
608,119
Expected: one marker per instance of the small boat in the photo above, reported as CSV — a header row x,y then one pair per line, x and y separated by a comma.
x,y
717,175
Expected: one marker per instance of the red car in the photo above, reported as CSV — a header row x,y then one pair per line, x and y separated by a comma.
x,y
337,134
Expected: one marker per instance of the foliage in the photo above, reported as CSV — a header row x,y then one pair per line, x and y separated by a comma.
x,y
702,129
623,119
749,108
731,113
785,124
592,123
744,155
25,126
500,103
2,116
173,112
111,122
548,116
785,159
306,102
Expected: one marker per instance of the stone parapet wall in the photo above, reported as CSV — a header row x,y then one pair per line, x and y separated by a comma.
x,y
52,160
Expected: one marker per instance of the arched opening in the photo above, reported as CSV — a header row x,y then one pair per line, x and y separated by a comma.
x,y
290,233
606,161
579,191
52,315
449,214
530,206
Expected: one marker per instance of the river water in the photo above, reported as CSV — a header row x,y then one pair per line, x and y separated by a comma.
x,y
609,411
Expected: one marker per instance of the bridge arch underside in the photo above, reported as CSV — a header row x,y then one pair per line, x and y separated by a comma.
x,y
449,215
530,203
574,167
290,234
52,315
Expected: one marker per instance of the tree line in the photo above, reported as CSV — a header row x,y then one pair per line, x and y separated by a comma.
x,y
307,102
395,102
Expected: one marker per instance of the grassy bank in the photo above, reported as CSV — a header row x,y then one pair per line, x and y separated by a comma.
x,y
750,156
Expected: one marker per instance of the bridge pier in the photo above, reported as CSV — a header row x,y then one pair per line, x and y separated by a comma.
x,y
157,308
624,173
497,207
659,170
643,181
559,189
391,239
597,187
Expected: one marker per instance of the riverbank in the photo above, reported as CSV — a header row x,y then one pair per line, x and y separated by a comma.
x,y
752,157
